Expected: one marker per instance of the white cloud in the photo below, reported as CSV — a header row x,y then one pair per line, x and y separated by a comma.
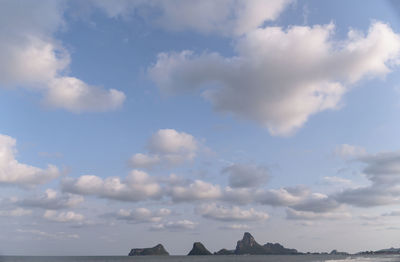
x,y
46,235
76,96
51,199
142,215
15,173
63,217
280,78
246,175
166,146
18,212
197,190
307,215
226,17
30,57
350,151
175,225
282,197
234,213
235,227
140,160
137,186
335,180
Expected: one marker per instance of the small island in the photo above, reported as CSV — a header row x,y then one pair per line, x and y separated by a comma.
x,y
158,250
249,246
199,250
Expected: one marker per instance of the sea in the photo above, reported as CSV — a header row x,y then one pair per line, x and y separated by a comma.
x,y
257,258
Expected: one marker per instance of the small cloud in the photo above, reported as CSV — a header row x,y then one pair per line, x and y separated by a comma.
x,y
45,235
349,151
18,212
63,217
175,225
167,147
335,180
235,227
245,176
141,215
218,212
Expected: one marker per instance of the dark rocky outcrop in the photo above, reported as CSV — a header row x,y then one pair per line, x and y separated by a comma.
x,y
199,250
158,250
225,252
248,245
277,248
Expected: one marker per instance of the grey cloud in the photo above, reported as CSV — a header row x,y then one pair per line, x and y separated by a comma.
x,y
393,213
51,199
241,175
383,170
368,196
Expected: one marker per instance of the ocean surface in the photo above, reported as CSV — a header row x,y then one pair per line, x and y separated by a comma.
x,y
270,258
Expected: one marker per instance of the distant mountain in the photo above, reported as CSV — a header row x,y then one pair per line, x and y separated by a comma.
x,y
248,245
335,252
158,250
382,251
199,250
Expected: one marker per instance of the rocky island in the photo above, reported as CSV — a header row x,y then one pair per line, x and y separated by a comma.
x,y
158,250
249,246
199,250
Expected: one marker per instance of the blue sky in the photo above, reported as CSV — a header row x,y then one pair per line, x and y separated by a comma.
x,y
139,122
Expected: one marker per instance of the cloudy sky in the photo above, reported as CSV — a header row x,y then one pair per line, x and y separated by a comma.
x,y
131,123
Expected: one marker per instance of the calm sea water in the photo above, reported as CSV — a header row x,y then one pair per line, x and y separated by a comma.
x,y
305,258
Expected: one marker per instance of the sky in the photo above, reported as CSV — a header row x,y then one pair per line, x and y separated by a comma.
x,y
126,124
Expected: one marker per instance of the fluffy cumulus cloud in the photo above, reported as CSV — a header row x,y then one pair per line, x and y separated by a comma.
x,y
63,217
51,199
226,17
166,146
197,190
137,186
246,175
31,57
282,197
222,213
280,77
383,171
175,225
13,172
142,215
